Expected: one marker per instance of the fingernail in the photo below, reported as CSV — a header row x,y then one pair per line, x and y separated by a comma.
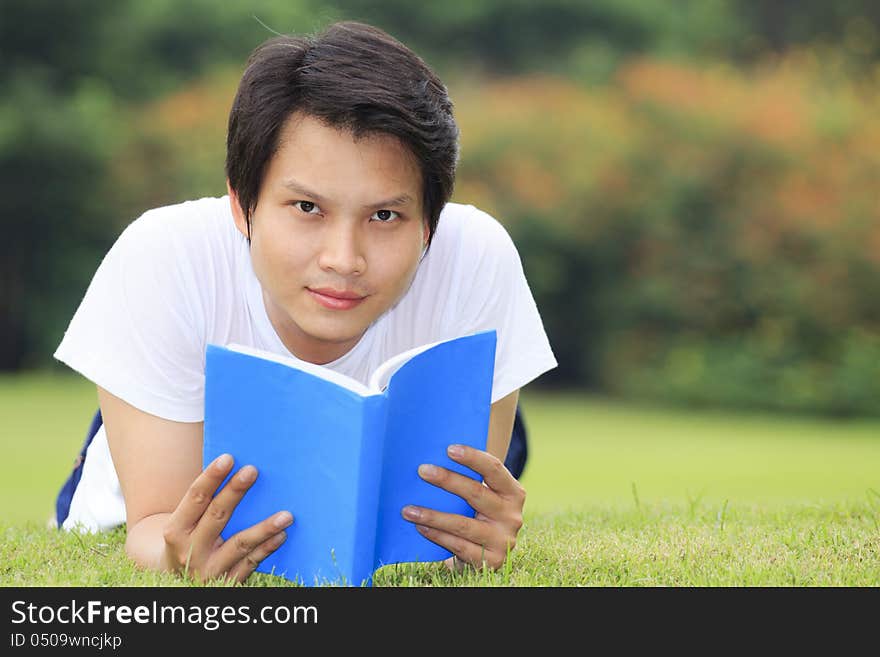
x,y
455,450
426,470
279,539
283,519
223,461
412,512
248,474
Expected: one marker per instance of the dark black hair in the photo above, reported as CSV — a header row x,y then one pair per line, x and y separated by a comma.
x,y
350,76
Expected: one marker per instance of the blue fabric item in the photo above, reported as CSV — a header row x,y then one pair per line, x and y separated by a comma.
x,y
518,451
65,495
517,455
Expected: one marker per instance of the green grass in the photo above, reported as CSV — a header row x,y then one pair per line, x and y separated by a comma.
x,y
618,495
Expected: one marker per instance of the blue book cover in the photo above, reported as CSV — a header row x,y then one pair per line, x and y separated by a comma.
x,y
341,456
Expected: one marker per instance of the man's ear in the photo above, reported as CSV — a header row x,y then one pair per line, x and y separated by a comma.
x,y
238,214
426,233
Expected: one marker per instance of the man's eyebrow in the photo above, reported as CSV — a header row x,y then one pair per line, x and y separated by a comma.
x,y
294,186
403,199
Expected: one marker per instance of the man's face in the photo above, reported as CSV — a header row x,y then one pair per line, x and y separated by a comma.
x,y
336,236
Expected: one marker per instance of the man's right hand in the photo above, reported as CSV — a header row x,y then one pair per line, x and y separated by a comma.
x,y
193,545
174,519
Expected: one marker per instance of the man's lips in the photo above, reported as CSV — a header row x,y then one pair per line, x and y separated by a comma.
x,y
335,299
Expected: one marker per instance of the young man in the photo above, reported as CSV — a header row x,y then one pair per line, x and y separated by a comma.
x,y
336,245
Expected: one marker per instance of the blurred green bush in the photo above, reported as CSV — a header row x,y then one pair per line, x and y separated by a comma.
x,y
697,234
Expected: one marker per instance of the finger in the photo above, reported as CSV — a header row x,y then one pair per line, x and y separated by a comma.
x,y
481,498
252,560
473,531
495,474
197,498
220,509
464,550
240,545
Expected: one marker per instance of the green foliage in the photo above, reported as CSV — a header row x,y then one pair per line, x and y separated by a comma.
x,y
53,167
501,36
706,236
139,49
849,24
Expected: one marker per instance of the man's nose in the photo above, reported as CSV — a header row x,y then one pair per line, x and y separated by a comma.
x,y
342,250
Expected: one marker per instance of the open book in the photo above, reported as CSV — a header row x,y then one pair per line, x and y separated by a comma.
x,y
341,456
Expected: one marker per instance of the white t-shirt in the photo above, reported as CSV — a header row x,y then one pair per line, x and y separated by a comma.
x,y
180,278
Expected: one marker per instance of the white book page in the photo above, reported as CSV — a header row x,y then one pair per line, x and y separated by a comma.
x,y
382,374
323,372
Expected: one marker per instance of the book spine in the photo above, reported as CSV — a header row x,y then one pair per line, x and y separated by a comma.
x,y
375,419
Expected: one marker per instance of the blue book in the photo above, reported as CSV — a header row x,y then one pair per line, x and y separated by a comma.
x,y
341,456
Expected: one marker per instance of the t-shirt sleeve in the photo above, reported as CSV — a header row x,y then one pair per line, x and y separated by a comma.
x,y
136,332
494,294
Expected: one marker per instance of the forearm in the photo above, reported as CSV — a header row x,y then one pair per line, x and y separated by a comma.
x,y
145,544
501,421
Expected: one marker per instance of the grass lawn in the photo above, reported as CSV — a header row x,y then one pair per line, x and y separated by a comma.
x,y
618,494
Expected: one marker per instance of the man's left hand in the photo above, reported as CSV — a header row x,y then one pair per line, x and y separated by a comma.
x,y
498,501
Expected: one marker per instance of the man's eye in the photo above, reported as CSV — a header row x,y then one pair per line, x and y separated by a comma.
x,y
307,206
384,216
